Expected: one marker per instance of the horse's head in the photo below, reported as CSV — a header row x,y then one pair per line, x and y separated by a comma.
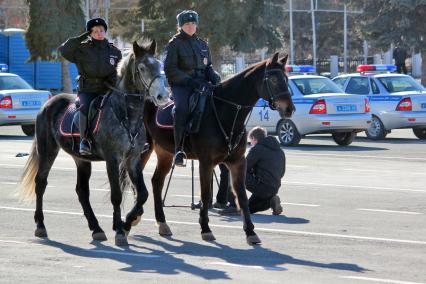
x,y
274,86
147,73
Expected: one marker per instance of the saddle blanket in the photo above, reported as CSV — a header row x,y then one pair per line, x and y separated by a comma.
x,y
70,122
164,116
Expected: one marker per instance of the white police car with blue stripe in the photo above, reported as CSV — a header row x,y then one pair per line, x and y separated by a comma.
x,y
321,107
397,100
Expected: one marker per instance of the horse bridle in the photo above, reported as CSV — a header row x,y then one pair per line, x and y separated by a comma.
x,y
272,96
146,86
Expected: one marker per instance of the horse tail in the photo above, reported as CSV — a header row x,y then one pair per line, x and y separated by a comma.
x,y
26,185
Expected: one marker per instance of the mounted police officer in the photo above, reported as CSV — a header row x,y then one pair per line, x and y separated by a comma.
x,y
96,61
188,67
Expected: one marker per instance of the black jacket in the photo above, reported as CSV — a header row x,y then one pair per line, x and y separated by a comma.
x,y
267,161
96,62
188,57
399,54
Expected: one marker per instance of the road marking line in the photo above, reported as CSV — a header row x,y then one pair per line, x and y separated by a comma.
x,y
185,195
300,204
389,211
379,280
355,186
8,183
354,237
12,242
248,266
355,156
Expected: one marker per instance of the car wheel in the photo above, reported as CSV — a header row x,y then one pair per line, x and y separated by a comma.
x,y
420,133
287,133
29,130
377,130
344,138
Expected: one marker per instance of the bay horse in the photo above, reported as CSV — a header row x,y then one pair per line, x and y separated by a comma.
x,y
119,141
222,137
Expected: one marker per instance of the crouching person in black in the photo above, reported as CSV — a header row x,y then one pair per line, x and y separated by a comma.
x,y
265,168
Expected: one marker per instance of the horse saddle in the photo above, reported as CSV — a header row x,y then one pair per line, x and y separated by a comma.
x,y
197,102
71,118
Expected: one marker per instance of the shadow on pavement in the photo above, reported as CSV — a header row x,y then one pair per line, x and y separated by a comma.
x,y
166,260
265,219
16,137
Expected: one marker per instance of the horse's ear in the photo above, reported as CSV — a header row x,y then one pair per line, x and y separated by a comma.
x,y
284,60
137,50
275,58
153,47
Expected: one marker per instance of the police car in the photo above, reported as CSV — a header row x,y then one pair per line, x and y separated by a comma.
x,y
397,100
321,107
19,102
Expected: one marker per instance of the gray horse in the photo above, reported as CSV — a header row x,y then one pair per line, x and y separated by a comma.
x,y
119,141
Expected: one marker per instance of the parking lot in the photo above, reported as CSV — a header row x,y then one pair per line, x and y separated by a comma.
x,y
353,214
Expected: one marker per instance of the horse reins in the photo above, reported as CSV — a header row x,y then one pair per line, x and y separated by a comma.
x,y
265,81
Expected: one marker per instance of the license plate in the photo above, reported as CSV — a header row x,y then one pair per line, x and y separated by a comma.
x,y
346,108
30,103
424,105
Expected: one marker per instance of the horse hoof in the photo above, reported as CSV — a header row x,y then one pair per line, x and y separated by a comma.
x,y
121,240
136,221
164,229
40,233
253,240
99,236
208,237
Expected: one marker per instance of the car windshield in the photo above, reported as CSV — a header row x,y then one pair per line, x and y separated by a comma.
x,y
13,83
309,86
396,84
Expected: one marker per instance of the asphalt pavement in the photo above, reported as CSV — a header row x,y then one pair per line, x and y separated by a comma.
x,y
353,214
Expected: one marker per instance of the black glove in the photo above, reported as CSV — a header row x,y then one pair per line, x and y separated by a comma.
x,y
212,75
198,84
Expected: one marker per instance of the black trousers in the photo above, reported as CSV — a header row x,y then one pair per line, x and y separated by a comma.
x,y
261,194
85,100
401,68
224,193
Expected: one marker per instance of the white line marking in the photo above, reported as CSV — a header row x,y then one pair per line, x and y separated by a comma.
x,y
185,195
355,186
379,280
355,156
354,237
248,266
300,204
8,183
389,211
12,242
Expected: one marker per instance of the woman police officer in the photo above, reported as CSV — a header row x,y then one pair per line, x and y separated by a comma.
x,y
188,67
96,61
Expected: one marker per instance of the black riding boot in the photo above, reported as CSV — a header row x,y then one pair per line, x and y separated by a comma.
x,y
179,132
85,148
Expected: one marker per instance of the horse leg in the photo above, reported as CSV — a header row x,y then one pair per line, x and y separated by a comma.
x,y
164,164
134,170
84,171
206,175
238,173
112,166
46,151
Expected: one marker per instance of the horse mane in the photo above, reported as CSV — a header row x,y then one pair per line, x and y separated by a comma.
x,y
122,65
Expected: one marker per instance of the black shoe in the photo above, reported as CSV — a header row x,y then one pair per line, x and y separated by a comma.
x,y
275,204
179,159
230,210
198,205
85,148
219,205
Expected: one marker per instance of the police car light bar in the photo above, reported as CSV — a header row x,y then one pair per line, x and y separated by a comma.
x,y
300,68
376,68
3,67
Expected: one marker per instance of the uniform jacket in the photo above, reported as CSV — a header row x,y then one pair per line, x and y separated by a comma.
x,y
267,161
96,62
187,57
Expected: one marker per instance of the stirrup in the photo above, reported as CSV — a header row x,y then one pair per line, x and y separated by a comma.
x,y
183,159
84,152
